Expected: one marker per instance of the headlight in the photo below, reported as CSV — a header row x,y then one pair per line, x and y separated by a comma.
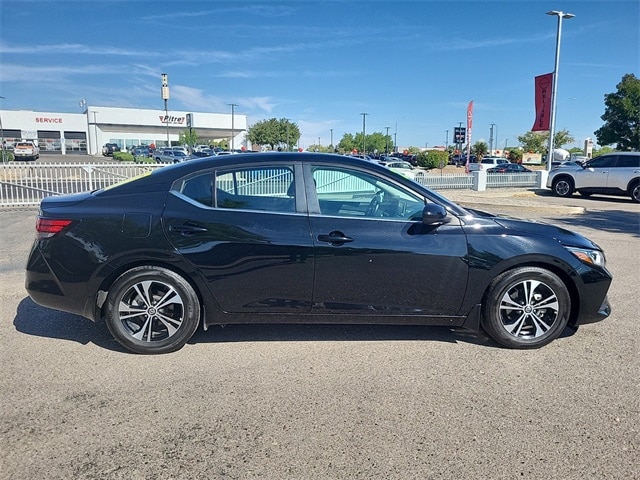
x,y
588,256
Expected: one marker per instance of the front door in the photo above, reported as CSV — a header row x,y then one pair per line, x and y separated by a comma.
x,y
374,256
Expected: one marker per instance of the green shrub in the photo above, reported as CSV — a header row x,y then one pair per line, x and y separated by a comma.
x,y
123,157
433,159
8,156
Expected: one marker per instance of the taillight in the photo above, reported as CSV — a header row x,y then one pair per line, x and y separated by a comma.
x,y
48,227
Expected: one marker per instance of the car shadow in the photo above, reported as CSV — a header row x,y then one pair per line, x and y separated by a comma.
x,y
33,319
614,221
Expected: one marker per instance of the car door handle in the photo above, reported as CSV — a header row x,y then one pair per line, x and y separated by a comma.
x,y
187,229
335,238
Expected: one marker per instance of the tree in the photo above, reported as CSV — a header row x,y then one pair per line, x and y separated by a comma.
x,y
188,137
374,142
480,149
622,116
275,133
538,142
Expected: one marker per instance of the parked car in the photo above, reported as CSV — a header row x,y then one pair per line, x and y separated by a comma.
x,y
26,151
141,152
294,238
509,168
109,149
610,174
404,168
205,152
486,163
168,155
181,149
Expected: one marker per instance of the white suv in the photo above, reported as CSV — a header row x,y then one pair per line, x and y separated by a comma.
x,y
611,174
487,162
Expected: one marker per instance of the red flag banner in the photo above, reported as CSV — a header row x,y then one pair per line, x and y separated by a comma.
x,y
469,125
543,85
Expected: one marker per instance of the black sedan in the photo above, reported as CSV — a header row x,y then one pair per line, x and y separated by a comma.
x,y
509,168
301,237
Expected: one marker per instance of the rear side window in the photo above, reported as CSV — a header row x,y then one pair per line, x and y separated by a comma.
x,y
270,189
198,188
628,161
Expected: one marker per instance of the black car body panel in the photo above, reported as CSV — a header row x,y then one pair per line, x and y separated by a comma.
x,y
307,263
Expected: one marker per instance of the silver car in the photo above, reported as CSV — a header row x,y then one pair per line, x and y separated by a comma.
x,y
615,173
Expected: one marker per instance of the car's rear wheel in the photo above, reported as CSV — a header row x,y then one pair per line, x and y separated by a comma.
x,y
563,187
635,192
152,310
526,307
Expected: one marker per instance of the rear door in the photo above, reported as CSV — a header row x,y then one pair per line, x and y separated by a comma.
x,y
248,236
627,167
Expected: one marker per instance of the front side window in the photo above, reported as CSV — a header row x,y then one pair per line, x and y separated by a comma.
x,y
261,188
351,193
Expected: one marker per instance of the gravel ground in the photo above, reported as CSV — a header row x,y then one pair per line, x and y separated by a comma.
x,y
324,402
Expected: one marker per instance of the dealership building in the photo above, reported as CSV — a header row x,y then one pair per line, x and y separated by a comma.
x,y
86,133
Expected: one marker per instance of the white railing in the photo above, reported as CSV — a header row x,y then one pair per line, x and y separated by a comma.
x,y
24,184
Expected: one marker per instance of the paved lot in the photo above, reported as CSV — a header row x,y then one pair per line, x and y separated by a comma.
x,y
315,402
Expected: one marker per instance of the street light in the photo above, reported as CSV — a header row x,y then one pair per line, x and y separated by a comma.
x,y
165,97
95,129
386,141
364,138
554,86
491,137
233,128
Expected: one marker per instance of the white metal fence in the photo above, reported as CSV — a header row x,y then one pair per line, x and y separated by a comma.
x,y
26,184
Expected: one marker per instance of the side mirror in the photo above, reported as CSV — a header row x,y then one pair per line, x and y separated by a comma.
x,y
434,214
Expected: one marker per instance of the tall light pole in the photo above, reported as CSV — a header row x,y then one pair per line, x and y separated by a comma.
x,y
331,130
165,97
233,127
493,136
386,141
364,130
554,86
446,140
95,130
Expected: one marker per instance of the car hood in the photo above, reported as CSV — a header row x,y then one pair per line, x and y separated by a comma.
x,y
533,227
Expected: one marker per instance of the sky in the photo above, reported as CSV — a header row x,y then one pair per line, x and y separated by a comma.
x,y
411,66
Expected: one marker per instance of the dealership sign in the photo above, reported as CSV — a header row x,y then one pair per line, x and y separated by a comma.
x,y
171,120
48,120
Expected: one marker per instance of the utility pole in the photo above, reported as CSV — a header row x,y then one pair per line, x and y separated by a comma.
x,y
165,97
364,133
386,141
233,132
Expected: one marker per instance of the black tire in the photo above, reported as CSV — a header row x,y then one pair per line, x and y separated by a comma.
x,y
152,310
563,187
634,190
526,307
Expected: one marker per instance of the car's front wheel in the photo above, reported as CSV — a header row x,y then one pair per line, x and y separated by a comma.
x,y
526,307
152,310
563,187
